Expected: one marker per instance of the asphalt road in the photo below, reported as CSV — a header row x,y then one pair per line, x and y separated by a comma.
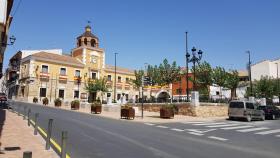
x,y
92,136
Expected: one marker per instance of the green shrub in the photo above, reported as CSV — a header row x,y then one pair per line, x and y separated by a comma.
x,y
57,102
35,100
45,101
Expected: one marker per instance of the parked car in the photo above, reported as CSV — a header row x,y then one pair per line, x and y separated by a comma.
x,y
3,97
246,110
271,112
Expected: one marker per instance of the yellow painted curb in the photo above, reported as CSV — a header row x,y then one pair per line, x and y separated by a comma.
x,y
53,142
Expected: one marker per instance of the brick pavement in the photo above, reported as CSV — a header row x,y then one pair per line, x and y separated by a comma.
x,y
14,132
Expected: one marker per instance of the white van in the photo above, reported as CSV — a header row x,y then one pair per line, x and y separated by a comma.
x,y
245,109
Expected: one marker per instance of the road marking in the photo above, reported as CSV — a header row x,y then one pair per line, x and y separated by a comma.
x,y
227,125
205,124
238,127
192,122
52,140
162,126
217,138
269,132
200,130
277,135
176,129
197,134
252,129
149,124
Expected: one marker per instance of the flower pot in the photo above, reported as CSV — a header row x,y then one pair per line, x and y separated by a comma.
x,y
166,113
128,113
96,109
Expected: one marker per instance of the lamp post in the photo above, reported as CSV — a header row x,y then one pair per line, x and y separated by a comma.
x,y
196,57
278,85
12,41
250,73
115,86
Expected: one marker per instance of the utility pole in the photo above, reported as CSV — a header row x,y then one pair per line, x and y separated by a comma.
x,y
115,86
187,67
250,73
278,85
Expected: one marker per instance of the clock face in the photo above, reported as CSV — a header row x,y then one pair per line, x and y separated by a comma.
x,y
93,59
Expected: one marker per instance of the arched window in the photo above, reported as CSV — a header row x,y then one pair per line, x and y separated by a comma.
x,y
80,42
93,43
85,41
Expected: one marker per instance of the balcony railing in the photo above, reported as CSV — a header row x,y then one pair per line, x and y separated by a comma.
x,y
63,77
44,75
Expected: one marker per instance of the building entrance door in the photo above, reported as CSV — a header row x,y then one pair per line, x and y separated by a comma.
x,y
92,97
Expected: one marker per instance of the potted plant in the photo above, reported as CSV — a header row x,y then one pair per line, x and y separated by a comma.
x,y
75,105
57,102
35,100
167,111
45,101
127,112
96,107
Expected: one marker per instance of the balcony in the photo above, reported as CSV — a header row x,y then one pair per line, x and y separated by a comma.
x,y
62,77
44,75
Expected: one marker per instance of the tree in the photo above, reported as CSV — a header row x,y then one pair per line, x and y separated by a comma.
x,y
154,74
138,79
232,82
204,74
264,87
97,85
169,73
219,78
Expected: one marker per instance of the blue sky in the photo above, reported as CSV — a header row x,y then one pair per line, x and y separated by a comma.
x,y
147,31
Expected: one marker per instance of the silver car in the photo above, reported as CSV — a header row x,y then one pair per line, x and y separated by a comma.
x,y
245,109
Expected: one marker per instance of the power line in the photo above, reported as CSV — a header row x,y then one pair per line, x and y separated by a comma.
x,y
17,8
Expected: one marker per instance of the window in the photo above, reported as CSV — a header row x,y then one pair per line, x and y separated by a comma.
x,y
236,105
217,93
76,94
118,96
43,92
93,75
119,79
77,73
109,78
45,69
93,43
62,71
108,95
126,97
85,41
127,80
61,93
249,106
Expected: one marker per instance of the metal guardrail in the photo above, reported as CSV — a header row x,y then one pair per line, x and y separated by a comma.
x,y
64,136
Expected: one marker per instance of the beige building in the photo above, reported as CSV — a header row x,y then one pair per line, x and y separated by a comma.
x,y
51,74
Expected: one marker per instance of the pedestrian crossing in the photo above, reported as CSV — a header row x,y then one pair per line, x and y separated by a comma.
x,y
195,127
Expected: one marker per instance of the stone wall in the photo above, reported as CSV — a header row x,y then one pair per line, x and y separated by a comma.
x,y
204,110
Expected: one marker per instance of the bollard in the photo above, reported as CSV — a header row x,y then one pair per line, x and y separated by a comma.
x,y
28,117
24,112
27,154
49,134
63,144
18,110
36,124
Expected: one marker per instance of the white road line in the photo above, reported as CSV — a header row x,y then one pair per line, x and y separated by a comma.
x,y
227,125
192,122
162,126
204,124
149,124
252,129
277,135
269,132
197,134
238,127
176,129
217,138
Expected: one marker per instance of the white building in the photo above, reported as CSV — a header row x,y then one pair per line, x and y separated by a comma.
x,y
265,68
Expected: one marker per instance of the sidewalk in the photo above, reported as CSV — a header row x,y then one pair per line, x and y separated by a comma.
x,y
149,117
14,132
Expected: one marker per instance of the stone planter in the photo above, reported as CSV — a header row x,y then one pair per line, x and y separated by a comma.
x,y
128,113
166,113
96,109
75,106
57,104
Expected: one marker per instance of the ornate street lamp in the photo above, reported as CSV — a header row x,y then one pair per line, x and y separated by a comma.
x,y
195,58
12,41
